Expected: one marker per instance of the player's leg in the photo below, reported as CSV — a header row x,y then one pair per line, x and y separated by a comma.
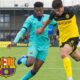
x,y
35,69
65,51
30,59
76,55
37,65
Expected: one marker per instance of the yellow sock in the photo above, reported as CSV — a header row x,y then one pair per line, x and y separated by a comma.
x,y
68,67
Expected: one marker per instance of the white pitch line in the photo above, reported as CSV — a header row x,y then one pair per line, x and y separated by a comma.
x,y
59,68
56,68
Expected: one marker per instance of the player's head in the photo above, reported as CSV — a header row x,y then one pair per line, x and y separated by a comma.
x,y
38,8
58,7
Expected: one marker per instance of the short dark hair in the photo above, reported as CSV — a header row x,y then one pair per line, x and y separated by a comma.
x,y
38,4
57,4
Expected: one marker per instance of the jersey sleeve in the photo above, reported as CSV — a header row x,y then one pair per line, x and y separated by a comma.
x,y
25,26
27,23
19,35
70,11
51,15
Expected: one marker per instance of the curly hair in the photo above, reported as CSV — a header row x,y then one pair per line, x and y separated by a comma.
x,y
38,4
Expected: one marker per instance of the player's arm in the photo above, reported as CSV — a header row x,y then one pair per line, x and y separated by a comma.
x,y
18,37
21,33
46,24
71,11
40,30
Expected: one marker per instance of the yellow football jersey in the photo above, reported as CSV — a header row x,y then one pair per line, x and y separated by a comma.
x,y
67,25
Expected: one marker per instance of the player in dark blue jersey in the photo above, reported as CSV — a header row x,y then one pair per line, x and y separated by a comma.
x,y
51,31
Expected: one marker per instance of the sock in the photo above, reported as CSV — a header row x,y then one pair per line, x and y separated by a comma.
x,y
68,68
70,78
24,60
28,75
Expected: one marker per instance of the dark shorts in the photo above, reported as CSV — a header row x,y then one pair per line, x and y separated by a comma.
x,y
73,42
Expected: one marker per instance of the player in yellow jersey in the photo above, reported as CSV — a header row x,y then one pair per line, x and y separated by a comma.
x,y
68,34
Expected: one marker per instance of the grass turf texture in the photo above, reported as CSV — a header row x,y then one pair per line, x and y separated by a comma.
x,y
51,70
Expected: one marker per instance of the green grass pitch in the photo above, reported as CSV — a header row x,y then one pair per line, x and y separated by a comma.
x,y
51,70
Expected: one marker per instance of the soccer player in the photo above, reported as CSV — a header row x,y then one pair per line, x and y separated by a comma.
x,y
51,29
38,44
68,34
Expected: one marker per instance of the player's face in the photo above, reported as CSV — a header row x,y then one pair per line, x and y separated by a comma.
x,y
38,11
59,11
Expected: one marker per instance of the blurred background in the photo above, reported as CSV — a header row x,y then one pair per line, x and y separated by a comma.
x,y
14,12
12,16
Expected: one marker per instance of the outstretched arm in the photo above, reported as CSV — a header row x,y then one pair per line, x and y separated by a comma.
x,y
40,30
46,24
18,37
20,34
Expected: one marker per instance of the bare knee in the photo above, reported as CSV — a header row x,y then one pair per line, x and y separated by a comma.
x,y
30,61
63,55
65,51
76,55
29,64
76,59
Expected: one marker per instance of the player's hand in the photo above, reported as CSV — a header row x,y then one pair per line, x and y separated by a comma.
x,y
11,45
39,31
